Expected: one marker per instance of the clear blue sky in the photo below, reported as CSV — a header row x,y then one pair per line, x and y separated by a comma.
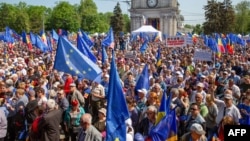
x,y
192,10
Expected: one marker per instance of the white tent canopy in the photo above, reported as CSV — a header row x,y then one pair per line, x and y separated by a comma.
x,y
147,29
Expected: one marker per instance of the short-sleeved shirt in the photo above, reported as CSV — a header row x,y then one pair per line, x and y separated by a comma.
x,y
232,111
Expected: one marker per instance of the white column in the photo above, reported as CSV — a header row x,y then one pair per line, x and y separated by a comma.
x,y
170,25
174,25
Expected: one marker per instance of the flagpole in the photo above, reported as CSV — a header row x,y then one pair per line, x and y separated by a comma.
x,y
214,60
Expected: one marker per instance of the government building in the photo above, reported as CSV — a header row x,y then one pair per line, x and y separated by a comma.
x,y
161,14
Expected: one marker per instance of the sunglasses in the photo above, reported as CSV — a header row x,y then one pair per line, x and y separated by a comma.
x,y
193,109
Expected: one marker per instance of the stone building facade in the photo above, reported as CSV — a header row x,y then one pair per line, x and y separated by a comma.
x,y
161,14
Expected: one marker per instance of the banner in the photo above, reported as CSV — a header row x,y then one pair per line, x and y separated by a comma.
x,y
189,40
202,55
175,41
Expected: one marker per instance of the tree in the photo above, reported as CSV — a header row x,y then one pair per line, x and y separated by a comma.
x,y
37,16
219,17
227,16
242,17
64,16
197,29
188,26
126,27
90,19
7,15
22,18
22,22
105,19
116,20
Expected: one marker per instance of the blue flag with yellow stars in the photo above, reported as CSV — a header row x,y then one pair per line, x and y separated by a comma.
x,y
70,60
117,111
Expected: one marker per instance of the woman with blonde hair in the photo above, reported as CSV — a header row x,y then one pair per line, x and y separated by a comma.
x,y
211,116
227,120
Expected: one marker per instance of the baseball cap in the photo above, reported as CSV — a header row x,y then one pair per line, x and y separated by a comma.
x,y
200,85
197,128
142,91
72,85
228,96
103,110
74,102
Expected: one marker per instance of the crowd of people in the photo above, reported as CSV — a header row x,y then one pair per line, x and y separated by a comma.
x,y
46,105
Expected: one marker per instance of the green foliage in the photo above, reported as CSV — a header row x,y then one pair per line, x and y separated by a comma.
x,y
126,27
88,7
197,29
242,17
188,26
219,17
90,20
22,22
105,20
116,20
64,16
7,15
37,15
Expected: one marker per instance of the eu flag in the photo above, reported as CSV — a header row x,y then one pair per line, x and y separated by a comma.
x,y
32,38
70,60
86,38
40,44
84,49
144,46
166,129
49,44
24,37
8,35
143,81
108,41
54,35
104,55
178,34
117,111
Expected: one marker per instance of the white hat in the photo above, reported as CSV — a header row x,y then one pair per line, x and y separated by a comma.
x,y
178,72
180,76
228,96
197,128
128,122
72,85
200,85
144,91
51,103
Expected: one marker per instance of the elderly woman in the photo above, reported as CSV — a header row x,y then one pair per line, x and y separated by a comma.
x,y
196,133
72,119
100,125
147,123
